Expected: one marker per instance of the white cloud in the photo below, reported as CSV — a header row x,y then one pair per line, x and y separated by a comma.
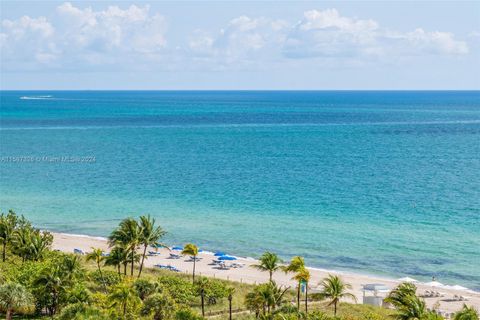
x,y
134,36
328,34
435,42
244,39
76,36
330,18
132,29
27,40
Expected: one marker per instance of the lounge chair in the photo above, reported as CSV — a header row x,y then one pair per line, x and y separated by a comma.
x,y
78,251
174,256
237,265
172,268
192,258
223,266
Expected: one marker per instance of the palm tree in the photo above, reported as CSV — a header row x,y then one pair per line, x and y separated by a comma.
x,y
191,250
97,256
230,292
40,243
413,308
467,313
116,258
14,298
265,297
162,306
335,289
21,241
296,265
72,268
8,223
128,235
150,236
268,262
51,282
398,296
303,277
122,296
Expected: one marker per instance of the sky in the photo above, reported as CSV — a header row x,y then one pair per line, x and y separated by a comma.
x,y
225,45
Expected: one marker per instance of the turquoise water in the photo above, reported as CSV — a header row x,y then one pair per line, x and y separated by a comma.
x,y
383,183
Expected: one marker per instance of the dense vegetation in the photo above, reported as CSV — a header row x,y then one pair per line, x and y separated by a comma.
x,y
37,282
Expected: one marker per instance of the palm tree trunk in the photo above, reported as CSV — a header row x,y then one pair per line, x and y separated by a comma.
x,y
132,261
193,275
4,252
298,295
271,275
202,295
335,308
306,297
230,308
9,314
125,269
101,276
143,258
118,269
124,309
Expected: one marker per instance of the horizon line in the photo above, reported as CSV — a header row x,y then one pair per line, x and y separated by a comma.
x,y
244,90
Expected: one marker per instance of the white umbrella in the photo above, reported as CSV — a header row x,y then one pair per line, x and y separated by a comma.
x,y
434,284
407,279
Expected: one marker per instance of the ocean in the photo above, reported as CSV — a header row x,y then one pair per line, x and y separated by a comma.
x,y
375,182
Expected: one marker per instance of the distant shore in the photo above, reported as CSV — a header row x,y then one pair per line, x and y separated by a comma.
x,y
69,242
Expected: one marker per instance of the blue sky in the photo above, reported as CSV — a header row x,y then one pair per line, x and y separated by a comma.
x,y
240,45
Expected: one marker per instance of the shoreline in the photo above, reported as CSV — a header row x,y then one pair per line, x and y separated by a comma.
x,y
66,242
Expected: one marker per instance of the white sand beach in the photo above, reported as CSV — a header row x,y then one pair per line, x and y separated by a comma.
x,y
247,274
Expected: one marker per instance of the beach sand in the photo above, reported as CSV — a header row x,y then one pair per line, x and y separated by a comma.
x,y
248,274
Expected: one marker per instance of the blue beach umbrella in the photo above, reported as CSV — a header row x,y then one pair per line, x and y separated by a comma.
x,y
219,254
177,248
227,258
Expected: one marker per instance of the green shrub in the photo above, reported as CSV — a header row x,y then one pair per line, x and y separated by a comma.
x,y
187,314
80,311
111,278
215,290
144,288
319,315
79,294
182,291
160,306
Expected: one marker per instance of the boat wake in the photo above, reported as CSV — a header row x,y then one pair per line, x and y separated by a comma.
x,y
36,98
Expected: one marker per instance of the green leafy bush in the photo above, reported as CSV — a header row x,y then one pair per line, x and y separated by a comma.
x,y
182,291
187,314
111,278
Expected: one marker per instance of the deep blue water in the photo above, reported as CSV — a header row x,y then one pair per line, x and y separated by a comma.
x,y
384,183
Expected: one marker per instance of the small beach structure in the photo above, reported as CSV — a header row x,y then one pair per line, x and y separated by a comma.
x,y
374,293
